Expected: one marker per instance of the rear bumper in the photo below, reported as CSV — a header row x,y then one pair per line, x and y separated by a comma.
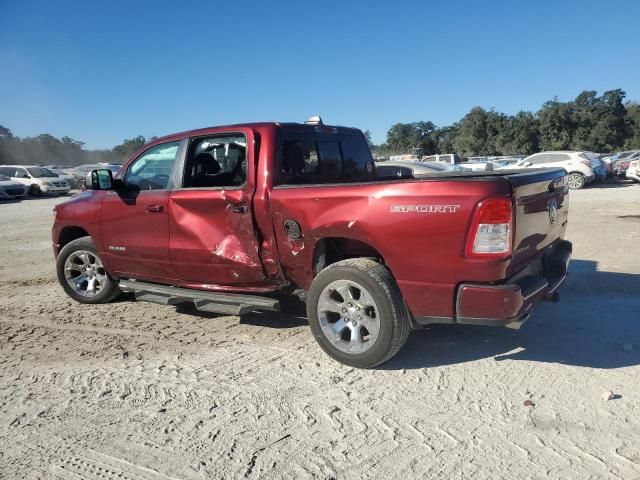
x,y
510,302
590,178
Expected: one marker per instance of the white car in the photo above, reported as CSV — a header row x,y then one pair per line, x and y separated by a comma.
x,y
10,189
453,159
576,164
67,177
38,180
633,172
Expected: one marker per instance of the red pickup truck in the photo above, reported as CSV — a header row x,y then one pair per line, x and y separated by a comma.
x,y
232,217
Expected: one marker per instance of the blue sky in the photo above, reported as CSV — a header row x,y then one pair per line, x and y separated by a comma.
x,y
104,71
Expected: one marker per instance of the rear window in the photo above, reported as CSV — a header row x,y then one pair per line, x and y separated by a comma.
x,y
320,158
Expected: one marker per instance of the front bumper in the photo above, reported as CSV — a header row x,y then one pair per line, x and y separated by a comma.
x,y
634,174
509,304
54,189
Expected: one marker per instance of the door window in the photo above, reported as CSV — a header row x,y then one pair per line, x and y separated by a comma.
x,y
558,157
215,162
538,159
22,173
151,170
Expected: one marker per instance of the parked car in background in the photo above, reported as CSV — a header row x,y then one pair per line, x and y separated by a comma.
x,y
38,180
70,179
505,163
114,167
633,172
622,162
413,169
599,170
454,159
10,189
80,172
576,164
607,163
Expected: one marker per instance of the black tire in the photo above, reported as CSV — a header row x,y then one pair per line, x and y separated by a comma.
x,y
34,191
394,324
576,181
109,291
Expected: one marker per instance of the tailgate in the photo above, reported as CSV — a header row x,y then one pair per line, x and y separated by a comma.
x,y
541,212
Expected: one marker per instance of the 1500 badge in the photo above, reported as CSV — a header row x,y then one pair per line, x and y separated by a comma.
x,y
424,208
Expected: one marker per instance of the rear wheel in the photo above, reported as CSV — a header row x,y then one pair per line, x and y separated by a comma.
x,y
575,181
82,274
357,314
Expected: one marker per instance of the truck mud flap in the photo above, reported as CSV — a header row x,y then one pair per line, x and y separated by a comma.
x,y
214,302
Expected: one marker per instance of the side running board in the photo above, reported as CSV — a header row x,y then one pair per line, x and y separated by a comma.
x,y
216,302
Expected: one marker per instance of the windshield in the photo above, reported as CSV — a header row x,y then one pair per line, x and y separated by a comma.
x,y
39,172
624,155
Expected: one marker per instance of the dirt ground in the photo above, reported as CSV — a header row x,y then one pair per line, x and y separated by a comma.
x,y
140,391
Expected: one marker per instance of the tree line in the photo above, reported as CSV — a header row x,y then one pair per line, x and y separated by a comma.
x,y
603,123
595,123
45,149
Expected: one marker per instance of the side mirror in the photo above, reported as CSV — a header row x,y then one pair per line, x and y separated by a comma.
x,y
99,180
527,164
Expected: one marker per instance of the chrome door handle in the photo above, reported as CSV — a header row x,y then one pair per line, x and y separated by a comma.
x,y
154,208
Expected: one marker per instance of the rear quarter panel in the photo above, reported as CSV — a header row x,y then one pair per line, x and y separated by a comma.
x,y
419,227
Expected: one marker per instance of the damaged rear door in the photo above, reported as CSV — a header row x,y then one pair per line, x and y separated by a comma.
x,y
213,241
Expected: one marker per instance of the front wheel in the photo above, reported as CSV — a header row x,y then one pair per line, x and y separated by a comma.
x,y
575,181
34,191
82,274
357,314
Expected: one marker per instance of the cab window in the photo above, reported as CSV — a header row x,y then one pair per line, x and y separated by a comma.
x,y
151,170
322,158
216,162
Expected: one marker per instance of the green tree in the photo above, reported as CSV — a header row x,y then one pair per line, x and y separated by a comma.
x,y
128,147
481,132
557,125
633,127
406,137
521,134
611,126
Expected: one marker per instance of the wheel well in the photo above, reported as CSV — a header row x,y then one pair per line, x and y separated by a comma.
x,y
333,249
69,234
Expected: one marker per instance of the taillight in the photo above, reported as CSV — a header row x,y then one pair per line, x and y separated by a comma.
x,y
491,229
587,163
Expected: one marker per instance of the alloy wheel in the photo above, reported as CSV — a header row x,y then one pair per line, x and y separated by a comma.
x,y
84,273
349,316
